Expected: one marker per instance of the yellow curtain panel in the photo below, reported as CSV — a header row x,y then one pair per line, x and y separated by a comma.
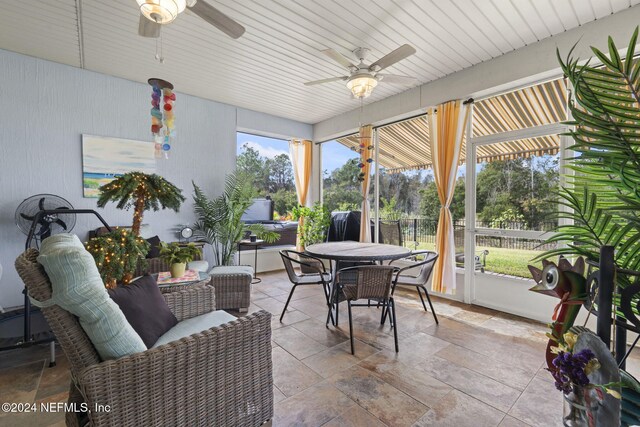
x,y
300,152
365,153
447,125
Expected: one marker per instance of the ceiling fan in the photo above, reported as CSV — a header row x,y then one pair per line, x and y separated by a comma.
x,y
363,78
155,13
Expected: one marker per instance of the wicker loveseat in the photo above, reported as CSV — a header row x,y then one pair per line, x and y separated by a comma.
x,y
219,377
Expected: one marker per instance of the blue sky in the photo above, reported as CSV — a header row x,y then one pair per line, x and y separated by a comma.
x,y
334,155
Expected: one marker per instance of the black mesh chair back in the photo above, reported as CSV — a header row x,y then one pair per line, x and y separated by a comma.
x,y
390,233
369,282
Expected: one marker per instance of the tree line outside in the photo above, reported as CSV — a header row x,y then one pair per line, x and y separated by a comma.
x,y
516,194
514,191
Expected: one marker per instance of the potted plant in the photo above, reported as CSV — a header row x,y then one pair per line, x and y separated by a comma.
x,y
604,199
177,256
117,255
219,221
142,191
312,223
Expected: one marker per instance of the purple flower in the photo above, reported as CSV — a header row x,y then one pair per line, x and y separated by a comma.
x,y
570,369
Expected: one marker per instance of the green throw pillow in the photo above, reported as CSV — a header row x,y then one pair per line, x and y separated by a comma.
x,y
78,288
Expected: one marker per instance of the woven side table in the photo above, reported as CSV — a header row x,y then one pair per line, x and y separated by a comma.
x,y
179,286
233,286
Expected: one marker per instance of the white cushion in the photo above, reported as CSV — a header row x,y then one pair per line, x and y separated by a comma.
x,y
194,325
198,266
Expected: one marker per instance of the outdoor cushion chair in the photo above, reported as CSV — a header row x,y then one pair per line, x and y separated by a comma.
x,y
220,376
313,272
479,260
369,282
421,270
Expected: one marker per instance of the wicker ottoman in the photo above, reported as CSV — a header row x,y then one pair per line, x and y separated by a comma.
x,y
233,286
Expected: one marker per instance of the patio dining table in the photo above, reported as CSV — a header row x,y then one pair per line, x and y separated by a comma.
x,y
350,251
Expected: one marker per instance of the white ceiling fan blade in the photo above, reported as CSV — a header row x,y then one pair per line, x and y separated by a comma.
x,y
148,28
392,57
331,79
339,58
218,19
395,79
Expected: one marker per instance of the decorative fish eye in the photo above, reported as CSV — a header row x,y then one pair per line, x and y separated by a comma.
x,y
550,277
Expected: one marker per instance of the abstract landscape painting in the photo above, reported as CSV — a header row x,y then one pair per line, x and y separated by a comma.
x,y
104,158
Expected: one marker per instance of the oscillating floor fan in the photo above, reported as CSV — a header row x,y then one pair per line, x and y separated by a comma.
x,y
27,213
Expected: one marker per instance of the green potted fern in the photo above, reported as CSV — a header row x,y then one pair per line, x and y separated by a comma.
x,y
603,200
177,256
219,220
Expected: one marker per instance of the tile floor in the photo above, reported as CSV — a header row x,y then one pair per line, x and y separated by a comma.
x,y
478,367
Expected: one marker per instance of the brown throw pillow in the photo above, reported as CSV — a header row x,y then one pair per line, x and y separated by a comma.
x,y
144,308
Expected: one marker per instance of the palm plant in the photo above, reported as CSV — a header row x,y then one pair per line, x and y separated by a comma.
x,y
604,200
142,191
219,221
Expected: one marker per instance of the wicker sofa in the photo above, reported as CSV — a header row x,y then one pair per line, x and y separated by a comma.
x,y
221,376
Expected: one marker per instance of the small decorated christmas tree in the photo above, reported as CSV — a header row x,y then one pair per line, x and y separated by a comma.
x,y
142,191
117,255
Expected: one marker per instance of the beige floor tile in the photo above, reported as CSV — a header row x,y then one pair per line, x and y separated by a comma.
x,y
312,306
540,405
355,416
386,402
312,407
509,421
460,410
512,350
510,375
296,343
417,384
20,384
316,330
290,318
338,358
278,395
290,375
483,388
54,380
271,305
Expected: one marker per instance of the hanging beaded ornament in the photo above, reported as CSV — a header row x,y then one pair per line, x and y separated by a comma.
x,y
162,118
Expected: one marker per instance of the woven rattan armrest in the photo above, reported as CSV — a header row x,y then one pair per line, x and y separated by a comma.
x,y
221,376
191,302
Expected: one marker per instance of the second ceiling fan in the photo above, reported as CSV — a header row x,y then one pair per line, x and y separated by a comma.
x,y
363,78
155,13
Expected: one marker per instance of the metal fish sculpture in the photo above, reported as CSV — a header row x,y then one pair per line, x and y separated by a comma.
x,y
566,282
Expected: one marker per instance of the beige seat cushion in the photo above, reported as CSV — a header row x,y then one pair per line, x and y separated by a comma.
x,y
194,325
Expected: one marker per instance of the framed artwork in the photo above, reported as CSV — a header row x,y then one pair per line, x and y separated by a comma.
x,y
105,158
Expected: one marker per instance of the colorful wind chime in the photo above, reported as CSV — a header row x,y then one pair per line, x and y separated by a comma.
x,y
162,119
365,149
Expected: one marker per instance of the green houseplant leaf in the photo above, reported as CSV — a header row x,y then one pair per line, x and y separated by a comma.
x,y
604,197
219,220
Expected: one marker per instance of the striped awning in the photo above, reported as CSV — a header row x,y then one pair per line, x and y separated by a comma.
x,y
405,145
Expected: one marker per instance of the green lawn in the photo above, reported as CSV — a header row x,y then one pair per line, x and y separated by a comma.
x,y
504,261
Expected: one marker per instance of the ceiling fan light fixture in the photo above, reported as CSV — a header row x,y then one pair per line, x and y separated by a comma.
x,y
161,11
361,86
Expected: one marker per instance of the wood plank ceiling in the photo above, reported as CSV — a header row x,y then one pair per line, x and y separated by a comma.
x,y
266,68
405,145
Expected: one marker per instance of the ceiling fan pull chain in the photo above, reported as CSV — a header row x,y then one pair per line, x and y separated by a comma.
x,y
159,55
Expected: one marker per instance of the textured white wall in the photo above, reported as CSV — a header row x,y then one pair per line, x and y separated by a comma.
x,y
45,108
